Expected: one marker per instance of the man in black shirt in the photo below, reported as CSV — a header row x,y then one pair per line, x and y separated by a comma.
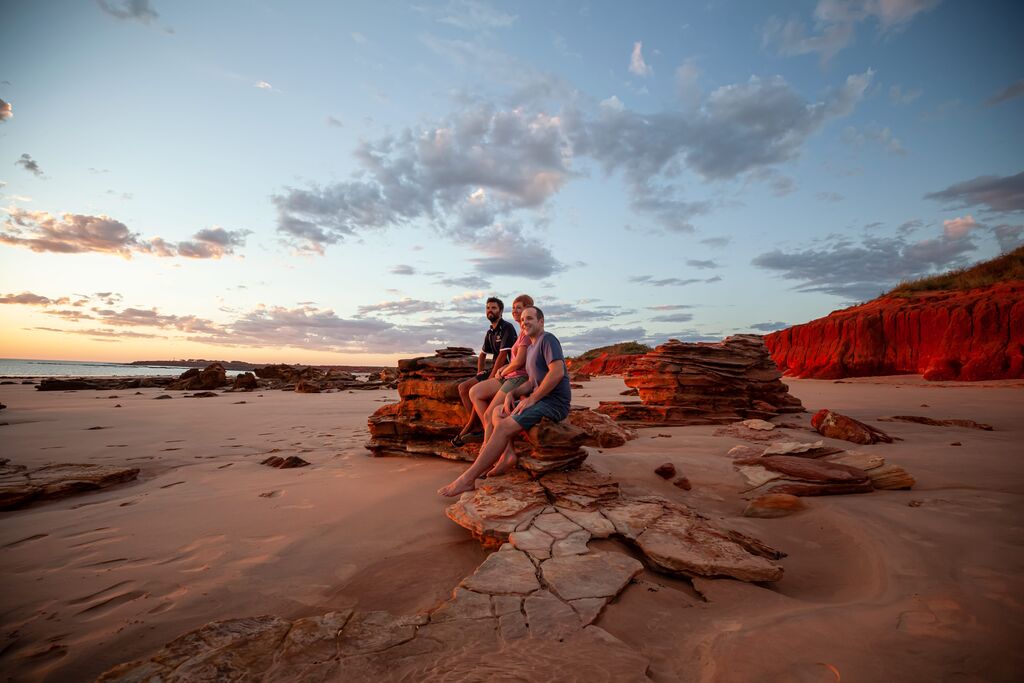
x,y
498,341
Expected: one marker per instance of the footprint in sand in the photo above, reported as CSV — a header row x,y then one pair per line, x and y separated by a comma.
x,y
167,486
176,448
222,467
269,494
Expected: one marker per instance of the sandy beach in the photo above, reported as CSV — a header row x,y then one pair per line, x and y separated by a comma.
x,y
919,585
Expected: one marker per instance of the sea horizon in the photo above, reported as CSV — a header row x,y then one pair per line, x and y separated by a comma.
x,y
28,367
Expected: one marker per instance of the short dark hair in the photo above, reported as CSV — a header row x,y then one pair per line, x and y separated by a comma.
x,y
540,313
496,300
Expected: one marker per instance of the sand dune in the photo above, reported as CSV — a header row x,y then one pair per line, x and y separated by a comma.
x,y
875,588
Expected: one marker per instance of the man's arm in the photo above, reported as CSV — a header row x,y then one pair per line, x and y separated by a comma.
x,y
480,362
499,361
556,371
522,390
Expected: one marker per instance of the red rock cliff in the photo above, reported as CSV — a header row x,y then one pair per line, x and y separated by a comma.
x,y
605,364
949,335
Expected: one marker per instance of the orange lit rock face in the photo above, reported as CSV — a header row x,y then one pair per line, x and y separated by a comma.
x,y
836,426
605,364
969,335
686,384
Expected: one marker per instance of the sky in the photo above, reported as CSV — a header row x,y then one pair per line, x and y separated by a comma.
x,y
346,183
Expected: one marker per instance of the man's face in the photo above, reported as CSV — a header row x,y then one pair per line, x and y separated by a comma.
x,y
531,323
493,312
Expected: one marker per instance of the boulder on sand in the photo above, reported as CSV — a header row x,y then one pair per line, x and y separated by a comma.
x,y
20,486
213,376
836,426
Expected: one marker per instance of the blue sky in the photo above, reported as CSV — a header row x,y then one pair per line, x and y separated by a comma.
x,y
347,182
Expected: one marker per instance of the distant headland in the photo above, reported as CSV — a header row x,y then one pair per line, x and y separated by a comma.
x,y
242,365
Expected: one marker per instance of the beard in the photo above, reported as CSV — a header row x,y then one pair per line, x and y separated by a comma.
x,y
493,317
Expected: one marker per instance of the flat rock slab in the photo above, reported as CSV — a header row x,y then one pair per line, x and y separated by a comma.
x,y
20,487
584,489
497,508
593,575
593,521
506,572
951,422
803,476
549,617
682,544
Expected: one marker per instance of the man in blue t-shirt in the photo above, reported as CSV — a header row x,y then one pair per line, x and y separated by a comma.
x,y
546,394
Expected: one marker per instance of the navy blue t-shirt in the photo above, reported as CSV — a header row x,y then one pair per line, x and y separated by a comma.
x,y
542,353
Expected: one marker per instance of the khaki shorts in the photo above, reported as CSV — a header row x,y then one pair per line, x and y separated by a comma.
x,y
510,384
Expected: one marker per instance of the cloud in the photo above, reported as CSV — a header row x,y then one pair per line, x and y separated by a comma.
x,y
30,299
999,194
1009,236
897,95
334,123
465,281
262,85
358,37
862,271
131,10
883,136
476,168
403,307
214,243
779,183
637,65
78,233
508,251
663,282
829,196
956,228
669,307
687,83
696,263
768,327
402,269
6,111
716,242
835,25
1012,91
471,15
673,318
30,165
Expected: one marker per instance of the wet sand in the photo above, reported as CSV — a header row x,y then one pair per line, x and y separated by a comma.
x,y
875,589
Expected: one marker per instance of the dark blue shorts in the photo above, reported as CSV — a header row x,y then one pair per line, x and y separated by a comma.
x,y
541,409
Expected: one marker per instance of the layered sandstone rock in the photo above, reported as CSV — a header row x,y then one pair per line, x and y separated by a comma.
x,y
945,335
102,383
20,486
430,413
686,384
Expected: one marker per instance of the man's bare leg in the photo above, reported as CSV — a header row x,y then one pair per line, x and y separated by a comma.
x,y
502,436
464,388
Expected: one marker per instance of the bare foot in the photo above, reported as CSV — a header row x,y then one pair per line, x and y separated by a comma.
x,y
456,488
502,466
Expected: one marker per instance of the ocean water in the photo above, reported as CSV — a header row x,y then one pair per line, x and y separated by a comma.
x,y
16,367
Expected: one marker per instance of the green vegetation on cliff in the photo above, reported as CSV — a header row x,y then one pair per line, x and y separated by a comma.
x,y
1003,268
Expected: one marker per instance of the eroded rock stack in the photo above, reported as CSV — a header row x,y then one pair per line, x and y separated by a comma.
x,y
430,413
687,384
213,376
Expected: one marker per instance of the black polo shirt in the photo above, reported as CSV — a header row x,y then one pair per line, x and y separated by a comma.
x,y
500,338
